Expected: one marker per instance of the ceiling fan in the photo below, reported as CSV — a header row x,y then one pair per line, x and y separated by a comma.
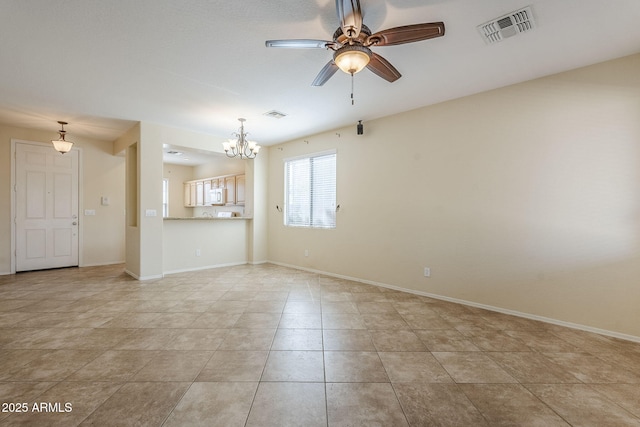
x,y
352,42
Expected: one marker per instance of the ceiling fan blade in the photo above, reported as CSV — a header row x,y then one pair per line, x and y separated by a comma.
x,y
406,34
383,68
299,43
350,16
325,74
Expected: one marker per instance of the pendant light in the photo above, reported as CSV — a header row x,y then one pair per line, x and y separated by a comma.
x,y
61,145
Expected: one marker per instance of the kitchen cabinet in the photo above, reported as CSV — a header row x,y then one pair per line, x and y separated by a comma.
x,y
230,188
187,194
207,192
190,199
240,185
197,192
192,190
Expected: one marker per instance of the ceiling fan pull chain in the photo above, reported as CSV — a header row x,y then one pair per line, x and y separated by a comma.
x,y
352,101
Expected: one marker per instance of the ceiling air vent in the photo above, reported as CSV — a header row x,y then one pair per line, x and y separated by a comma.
x,y
506,26
275,114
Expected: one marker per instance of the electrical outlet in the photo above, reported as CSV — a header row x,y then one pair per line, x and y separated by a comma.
x,y
198,253
306,252
427,272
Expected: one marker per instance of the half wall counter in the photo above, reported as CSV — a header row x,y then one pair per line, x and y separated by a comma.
x,y
197,243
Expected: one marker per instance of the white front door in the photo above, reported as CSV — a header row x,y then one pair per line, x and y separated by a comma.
x,y
46,207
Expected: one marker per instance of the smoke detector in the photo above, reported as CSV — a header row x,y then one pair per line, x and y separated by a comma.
x,y
512,24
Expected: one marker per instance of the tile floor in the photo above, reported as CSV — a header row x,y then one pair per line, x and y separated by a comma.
x,y
271,346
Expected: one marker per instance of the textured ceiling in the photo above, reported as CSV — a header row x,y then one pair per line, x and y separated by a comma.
x,y
201,64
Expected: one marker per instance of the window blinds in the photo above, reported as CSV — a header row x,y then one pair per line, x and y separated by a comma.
x,y
310,191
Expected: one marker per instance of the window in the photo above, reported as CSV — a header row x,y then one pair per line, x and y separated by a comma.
x,y
165,198
310,191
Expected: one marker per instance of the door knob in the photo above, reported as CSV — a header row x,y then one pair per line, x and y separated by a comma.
x,y
74,223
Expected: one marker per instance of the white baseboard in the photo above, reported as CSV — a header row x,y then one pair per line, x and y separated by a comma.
x,y
577,326
208,267
80,266
135,276
101,264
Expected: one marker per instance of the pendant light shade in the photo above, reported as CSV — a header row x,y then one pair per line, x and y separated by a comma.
x,y
61,144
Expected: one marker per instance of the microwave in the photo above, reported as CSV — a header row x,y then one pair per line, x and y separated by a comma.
x,y
217,196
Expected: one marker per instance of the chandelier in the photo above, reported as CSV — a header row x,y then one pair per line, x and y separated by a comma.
x,y
241,146
62,145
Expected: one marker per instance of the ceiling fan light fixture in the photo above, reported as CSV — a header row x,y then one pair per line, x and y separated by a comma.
x,y
61,145
352,58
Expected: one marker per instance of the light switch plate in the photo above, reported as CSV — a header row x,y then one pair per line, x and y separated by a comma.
x,y
89,212
150,212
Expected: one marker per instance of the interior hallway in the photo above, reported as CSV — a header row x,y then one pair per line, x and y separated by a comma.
x,y
272,346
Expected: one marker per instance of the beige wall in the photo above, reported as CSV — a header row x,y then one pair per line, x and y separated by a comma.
x,y
128,145
152,136
177,175
103,234
200,244
524,198
103,174
219,165
258,207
